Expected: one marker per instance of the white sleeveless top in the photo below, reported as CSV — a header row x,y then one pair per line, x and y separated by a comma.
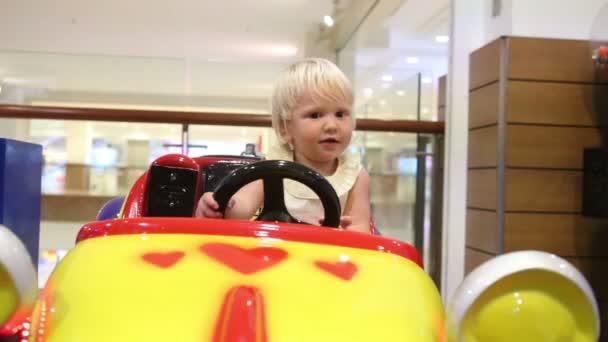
x,y
301,202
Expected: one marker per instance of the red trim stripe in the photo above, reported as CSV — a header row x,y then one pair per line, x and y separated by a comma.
x,y
253,229
242,317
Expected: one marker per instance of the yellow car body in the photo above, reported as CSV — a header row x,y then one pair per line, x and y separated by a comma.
x,y
170,284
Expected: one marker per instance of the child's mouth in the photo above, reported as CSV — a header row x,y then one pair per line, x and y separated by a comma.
x,y
329,141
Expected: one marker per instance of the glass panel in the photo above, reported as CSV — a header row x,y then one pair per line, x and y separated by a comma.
x,y
394,63
390,159
228,140
397,100
53,79
100,158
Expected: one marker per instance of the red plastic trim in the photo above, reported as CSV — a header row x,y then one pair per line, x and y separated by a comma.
x,y
242,317
205,161
17,323
257,229
135,201
176,160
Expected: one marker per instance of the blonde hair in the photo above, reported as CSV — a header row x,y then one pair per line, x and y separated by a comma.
x,y
318,77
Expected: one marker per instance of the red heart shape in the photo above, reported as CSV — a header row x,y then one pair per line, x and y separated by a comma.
x,y
245,261
341,269
163,260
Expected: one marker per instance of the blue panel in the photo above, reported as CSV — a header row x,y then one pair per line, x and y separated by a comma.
x,y
20,198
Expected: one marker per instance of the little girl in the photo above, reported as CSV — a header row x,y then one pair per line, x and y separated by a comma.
x,y
312,116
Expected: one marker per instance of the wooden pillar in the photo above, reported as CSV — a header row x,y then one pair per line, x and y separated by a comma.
x,y
532,111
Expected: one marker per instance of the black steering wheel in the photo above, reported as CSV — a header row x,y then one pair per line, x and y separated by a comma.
x,y
272,173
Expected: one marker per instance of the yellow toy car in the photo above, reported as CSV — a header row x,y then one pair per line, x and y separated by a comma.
x,y
141,277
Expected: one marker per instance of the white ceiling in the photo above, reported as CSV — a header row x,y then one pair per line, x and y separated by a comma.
x,y
241,30
217,54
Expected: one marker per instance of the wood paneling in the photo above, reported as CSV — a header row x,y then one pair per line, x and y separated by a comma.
x,y
481,230
594,270
552,59
548,146
482,147
556,103
474,258
603,306
483,106
485,64
554,191
481,189
562,234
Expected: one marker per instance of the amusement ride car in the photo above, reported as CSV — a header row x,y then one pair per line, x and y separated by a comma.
x,y
152,272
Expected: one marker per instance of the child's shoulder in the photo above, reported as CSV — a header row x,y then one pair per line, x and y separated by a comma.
x,y
349,168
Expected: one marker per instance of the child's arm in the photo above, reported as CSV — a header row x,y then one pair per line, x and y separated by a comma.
x,y
357,205
246,201
241,205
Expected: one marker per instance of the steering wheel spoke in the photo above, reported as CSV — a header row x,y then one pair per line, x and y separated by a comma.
x,y
273,172
273,193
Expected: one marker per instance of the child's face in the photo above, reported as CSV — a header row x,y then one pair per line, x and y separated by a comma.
x,y
319,131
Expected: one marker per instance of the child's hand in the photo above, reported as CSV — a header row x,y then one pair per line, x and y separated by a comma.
x,y
208,207
345,221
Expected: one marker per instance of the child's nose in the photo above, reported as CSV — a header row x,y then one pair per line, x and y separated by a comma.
x,y
331,123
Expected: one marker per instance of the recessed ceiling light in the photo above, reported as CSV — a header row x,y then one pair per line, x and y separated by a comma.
x,y
442,39
367,92
328,20
413,60
427,80
400,93
387,78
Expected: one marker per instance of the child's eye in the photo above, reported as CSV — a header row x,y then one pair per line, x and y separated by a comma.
x,y
341,114
314,115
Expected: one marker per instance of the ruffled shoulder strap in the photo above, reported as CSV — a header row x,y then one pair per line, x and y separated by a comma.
x,y
349,166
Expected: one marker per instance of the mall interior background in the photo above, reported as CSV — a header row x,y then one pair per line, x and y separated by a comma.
x,y
214,56
187,57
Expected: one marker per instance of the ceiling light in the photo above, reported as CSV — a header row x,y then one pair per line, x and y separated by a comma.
x,y
413,60
442,39
328,20
427,80
400,93
387,78
367,92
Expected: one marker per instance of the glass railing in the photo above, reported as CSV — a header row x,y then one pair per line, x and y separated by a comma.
x,y
103,119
